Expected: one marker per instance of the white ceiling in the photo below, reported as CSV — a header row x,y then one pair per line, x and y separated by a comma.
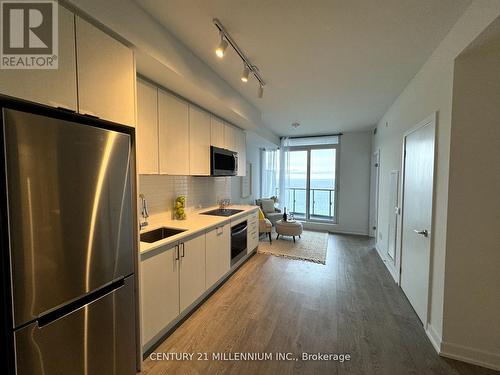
x,y
331,65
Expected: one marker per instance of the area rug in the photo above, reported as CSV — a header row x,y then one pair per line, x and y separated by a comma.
x,y
311,247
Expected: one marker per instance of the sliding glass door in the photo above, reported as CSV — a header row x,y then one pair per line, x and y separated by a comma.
x,y
313,180
297,186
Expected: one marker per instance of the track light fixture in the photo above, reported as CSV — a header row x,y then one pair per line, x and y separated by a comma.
x,y
221,48
261,90
246,72
248,67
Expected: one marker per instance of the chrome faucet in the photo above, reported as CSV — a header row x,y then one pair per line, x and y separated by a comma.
x,y
144,211
223,203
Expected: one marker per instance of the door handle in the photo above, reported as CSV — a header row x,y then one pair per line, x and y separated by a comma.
x,y
182,249
422,232
176,252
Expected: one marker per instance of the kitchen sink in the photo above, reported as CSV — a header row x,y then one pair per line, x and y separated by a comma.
x,y
159,234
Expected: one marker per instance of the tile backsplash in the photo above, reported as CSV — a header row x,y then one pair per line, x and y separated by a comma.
x,y
161,190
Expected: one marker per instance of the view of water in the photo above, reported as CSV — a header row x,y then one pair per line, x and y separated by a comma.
x,y
322,194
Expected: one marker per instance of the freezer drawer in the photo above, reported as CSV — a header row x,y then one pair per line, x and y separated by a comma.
x,y
98,338
70,210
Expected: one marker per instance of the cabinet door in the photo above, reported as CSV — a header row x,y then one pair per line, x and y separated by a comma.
x,y
192,270
159,291
230,137
147,128
106,75
53,87
241,148
253,231
199,142
173,134
218,254
217,132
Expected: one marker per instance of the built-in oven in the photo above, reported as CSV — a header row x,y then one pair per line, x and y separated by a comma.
x,y
238,241
223,162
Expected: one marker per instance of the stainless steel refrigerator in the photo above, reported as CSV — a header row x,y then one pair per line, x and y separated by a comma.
x,y
70,244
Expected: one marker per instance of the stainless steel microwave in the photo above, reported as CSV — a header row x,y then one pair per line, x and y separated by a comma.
x,y
223,162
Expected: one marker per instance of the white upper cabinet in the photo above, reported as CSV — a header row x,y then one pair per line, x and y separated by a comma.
x,y
53,87
217,132
199,142
173,121
147,128
230,135
106,75
241,148
174,137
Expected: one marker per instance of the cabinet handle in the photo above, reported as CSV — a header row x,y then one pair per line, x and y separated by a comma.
x,y
176,252
182,249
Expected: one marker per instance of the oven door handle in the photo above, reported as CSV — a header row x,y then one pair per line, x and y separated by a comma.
x,y
237,233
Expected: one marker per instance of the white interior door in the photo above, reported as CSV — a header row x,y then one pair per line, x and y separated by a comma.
x,y
374,185
417,216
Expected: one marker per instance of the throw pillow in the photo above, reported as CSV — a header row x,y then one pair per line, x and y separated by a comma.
x,y
267,205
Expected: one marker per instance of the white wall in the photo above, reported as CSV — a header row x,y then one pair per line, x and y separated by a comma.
x,y
429,91
354,186
472,278
354,183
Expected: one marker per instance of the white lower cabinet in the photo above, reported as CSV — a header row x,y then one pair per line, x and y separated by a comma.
x,y
159,290
192,270
253,231
218,253
174,276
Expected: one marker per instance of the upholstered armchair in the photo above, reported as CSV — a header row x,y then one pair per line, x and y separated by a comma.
x,y
265,226
271,213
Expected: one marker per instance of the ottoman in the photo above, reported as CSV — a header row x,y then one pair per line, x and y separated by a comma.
x,y
288,228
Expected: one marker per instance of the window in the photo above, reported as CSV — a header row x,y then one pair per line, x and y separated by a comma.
x,y
311,171
269,178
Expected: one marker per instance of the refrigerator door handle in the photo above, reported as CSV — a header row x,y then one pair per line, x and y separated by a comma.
x,y
52,315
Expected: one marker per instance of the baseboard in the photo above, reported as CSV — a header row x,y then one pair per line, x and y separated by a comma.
x,y
332,228
434,337
390,267
471,355
353,233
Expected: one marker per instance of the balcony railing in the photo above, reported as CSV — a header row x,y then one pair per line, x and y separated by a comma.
x,y
321,205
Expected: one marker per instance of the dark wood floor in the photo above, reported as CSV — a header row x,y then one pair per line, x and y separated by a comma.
x,y
271,304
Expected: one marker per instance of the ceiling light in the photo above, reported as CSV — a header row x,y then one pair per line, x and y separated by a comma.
x,y
248,68
221,48
295,125
246,72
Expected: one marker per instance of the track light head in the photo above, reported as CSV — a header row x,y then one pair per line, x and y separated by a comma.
x,y
221,48
261,90
244,75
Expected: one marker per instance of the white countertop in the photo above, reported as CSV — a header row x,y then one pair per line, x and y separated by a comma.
x,y
194,223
